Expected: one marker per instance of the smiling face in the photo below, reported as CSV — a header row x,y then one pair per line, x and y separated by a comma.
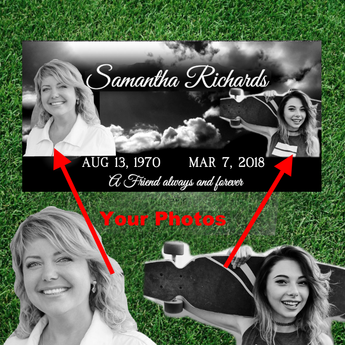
x,y
287,290
56,283
294,113
58,99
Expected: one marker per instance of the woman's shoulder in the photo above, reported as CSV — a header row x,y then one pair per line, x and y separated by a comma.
x,y
34,336
326,340
251,334
100,333
316,144
131,338
245,323
36,132
99,129
100,137
14,340
127,338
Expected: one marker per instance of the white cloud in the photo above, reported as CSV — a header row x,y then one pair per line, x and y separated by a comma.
x,y
310,80
213,111
138,142
29,99
194,133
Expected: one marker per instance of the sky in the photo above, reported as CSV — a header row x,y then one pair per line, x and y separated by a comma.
x,y
159,118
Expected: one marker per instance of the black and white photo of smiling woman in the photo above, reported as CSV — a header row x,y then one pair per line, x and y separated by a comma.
x,y
291,302
297,132
291,298
67,118
66,293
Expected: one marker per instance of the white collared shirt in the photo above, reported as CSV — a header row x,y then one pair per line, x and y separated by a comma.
x,y
97,334
82,140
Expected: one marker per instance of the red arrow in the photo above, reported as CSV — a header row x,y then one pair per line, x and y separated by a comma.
x,y
59,162
285,167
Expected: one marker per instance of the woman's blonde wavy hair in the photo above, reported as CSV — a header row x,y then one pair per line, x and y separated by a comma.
x,y
66,73
312,319
308,129
69,232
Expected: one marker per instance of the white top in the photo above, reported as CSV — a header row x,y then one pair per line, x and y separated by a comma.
x,y
82,140
98,333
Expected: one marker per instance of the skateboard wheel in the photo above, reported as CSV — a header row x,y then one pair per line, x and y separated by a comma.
x,y
235,122
173,307
236,92
173,248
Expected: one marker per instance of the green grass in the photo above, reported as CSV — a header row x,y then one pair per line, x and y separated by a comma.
x,y
314,221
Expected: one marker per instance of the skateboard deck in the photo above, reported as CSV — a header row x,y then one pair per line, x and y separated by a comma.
x,y
254,109
204,283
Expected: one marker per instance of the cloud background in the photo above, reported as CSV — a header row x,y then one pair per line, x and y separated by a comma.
x,y
157,119
194,133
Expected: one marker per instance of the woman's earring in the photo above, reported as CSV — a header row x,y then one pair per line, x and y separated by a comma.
x,y
78,101
94,283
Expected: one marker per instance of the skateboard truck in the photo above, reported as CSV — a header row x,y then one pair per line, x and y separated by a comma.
x,y
237,94
177,252
174,249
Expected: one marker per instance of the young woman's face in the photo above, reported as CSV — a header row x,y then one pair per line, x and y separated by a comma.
x,y
294,113
287,290
55,282
58,99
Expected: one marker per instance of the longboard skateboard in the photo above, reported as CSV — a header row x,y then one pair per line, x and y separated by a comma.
x,y
184,282
254,109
